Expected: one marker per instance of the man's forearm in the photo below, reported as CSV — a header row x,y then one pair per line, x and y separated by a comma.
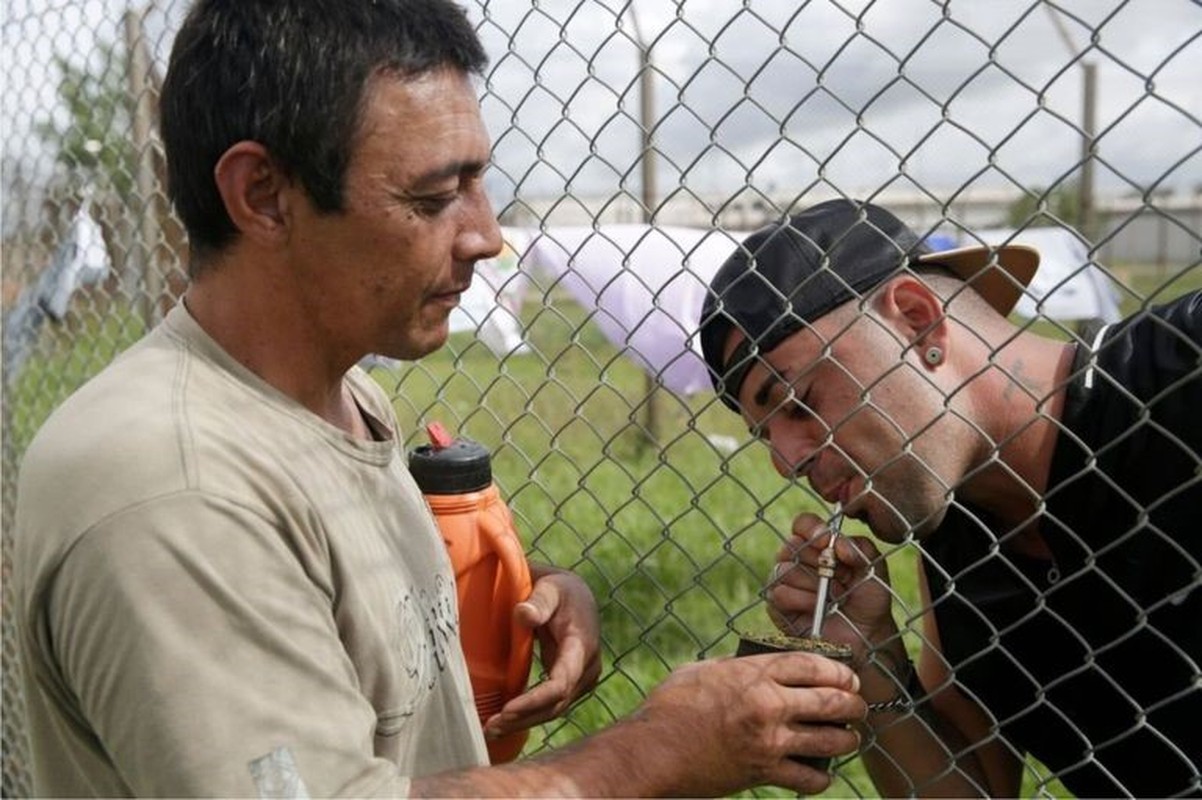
x,y
617,761
908,754
909,749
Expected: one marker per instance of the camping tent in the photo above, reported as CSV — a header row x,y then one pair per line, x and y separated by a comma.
x,y
646,284
492,305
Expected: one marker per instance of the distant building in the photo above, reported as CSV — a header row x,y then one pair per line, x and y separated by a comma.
x,y
1161,230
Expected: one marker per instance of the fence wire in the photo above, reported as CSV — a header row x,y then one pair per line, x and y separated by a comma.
x,y
635,146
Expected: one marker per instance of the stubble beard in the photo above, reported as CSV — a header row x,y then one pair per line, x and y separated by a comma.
x,y
905,508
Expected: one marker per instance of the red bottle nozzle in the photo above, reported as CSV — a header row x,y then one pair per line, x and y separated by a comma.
x,y
440,437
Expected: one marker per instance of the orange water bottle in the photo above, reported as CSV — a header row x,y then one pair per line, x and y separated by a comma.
x,y
491,573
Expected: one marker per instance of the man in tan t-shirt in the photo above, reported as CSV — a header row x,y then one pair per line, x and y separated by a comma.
x,y
245,593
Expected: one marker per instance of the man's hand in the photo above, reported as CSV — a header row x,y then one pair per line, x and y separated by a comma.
x,y
563,614
711,729
733,723
860,587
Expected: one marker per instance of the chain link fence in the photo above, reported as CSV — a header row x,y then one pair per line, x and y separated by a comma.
x,y
635,144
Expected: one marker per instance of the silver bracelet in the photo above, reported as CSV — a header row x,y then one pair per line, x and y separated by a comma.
x,y
906,697
900,702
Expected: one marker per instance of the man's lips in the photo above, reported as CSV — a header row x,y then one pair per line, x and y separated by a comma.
x,y
853,499
839,493
452,295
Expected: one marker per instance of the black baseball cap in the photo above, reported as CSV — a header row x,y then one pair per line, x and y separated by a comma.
x,y
788,274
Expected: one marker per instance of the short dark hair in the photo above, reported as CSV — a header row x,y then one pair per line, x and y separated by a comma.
x,y
290,75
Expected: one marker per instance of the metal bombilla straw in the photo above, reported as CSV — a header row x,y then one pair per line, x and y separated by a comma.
x,y
826,569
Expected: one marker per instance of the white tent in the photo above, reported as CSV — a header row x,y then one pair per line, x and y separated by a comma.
x,y
491,307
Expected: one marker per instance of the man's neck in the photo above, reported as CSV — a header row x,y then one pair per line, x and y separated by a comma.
x,y
1023,399
261,323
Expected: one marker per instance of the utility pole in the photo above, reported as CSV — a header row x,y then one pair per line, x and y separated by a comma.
x,y
1089,87
649,191
147,232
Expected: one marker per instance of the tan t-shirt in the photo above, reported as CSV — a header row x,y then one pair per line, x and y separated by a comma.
x,y
221,594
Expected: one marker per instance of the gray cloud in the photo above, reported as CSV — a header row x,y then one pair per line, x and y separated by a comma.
x,y
850,93
770,93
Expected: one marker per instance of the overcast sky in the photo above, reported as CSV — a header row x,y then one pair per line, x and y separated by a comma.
x,y
779,94
775,94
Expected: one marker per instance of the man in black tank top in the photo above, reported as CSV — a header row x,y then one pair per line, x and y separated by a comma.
x,y
1054,489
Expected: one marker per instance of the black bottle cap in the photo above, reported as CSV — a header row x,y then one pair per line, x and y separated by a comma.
x,y
450,466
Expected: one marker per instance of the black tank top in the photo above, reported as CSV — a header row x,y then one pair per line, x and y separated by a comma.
x,y
1091,662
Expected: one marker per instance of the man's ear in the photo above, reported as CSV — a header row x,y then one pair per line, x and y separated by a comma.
x,y
252,187
919,317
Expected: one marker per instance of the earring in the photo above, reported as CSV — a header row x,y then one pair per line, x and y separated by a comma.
x,y
933,356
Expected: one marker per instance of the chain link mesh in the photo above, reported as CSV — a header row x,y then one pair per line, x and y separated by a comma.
x,y
635,144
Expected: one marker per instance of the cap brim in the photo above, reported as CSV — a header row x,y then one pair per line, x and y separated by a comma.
x,y
999,274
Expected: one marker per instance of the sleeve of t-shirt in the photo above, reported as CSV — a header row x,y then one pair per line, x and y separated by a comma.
x,y
208,661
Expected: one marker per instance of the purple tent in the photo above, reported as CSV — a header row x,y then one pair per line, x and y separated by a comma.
x,y
646,285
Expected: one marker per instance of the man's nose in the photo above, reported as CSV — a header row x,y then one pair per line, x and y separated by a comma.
x,y
480,237
792,455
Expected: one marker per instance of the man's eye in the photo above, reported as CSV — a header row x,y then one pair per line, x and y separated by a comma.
x,y
793,406
797,407
432,206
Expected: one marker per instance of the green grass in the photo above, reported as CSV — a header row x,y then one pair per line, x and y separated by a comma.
x,y
674,535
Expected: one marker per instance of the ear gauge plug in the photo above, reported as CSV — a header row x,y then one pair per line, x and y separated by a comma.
x,y
933,356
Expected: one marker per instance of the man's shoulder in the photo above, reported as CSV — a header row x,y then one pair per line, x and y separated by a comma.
x,y
102,407
1168,334
1148,363
371,396
133,432
91,456
151,402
